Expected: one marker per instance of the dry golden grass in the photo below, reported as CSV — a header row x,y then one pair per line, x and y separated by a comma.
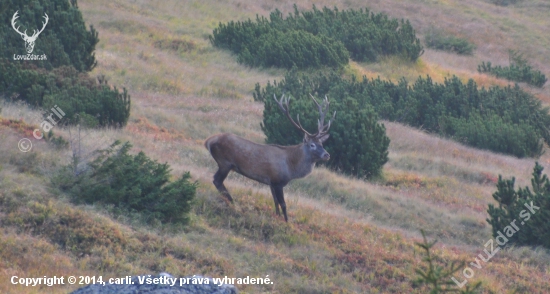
x,y
344,236
325,248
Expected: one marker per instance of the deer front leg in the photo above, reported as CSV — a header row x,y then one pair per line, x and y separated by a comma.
x,y
274,194
278,192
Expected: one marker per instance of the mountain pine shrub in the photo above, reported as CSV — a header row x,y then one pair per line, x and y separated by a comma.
x,y
294,48
439,279
522,215
358,144
80,97
315,38
132,183
439,40
62,78
502,119
518,71
65,40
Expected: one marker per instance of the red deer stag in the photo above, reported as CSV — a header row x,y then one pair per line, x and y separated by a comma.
x,y
273,165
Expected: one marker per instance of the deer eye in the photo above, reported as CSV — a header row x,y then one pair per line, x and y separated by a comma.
x,y
312,145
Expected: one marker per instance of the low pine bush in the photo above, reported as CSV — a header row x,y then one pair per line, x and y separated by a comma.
x,y
437,39
358,143
133,183
439,278
61,79
294,48
80,97
521,217
506,120
317,38
518,71
65,40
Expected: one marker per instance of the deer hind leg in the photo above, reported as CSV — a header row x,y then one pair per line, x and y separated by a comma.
x,y
280,198
275,200
219,177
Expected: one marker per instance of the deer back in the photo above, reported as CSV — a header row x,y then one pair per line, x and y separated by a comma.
x,y
268,164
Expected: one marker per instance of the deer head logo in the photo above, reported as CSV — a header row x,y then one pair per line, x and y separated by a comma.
x,y
29,40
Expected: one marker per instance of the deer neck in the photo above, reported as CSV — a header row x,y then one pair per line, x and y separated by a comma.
x,y
300,161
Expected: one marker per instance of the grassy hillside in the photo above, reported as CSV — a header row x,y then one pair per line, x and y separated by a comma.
x,y
344,235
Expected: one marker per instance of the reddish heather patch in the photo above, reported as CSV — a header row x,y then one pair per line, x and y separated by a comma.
x,y
489,178
408,180
19,126
144,128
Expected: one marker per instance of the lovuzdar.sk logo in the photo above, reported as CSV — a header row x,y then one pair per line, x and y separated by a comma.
x,y
29,40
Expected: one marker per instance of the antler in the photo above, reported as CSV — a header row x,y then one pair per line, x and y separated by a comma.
x,y
24,34
322,129
15,16
285,111
43,25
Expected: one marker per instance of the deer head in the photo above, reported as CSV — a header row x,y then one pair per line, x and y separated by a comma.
x,y
29,40
313,142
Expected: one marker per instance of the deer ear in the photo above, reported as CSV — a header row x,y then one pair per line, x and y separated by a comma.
x,y
324,138
306,138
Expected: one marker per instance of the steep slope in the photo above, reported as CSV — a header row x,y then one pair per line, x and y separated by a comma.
x,y
345,235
